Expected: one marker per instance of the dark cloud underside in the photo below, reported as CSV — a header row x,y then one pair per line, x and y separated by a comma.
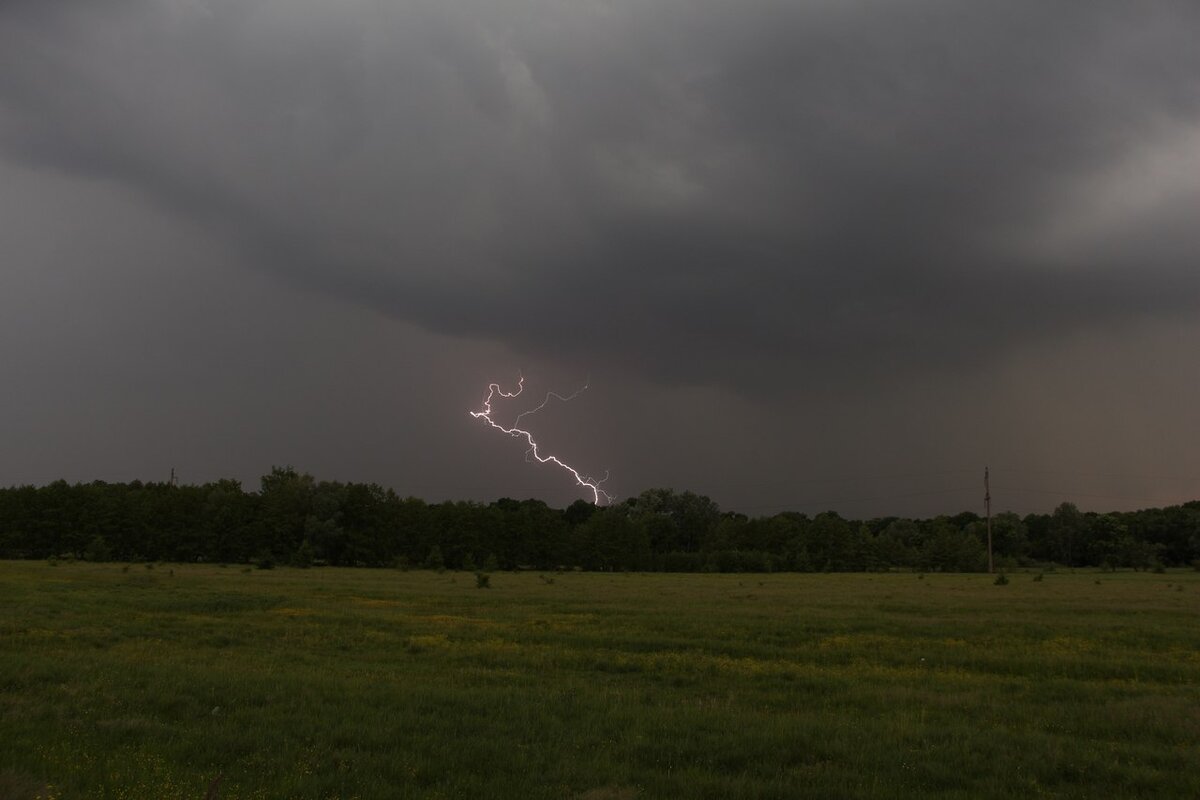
x,y
699,185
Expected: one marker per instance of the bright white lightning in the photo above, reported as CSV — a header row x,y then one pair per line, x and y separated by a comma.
x,y
533,452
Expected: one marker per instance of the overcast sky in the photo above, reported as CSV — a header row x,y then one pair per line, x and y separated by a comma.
x,y
806,255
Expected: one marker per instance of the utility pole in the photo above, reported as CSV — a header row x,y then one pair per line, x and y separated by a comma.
x,y
987,507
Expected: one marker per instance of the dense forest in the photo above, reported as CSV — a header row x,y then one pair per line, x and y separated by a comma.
x,y
296,519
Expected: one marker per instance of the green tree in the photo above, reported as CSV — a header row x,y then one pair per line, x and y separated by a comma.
x,y
97,550
692,516
948,549
286,503
1065,534
611,540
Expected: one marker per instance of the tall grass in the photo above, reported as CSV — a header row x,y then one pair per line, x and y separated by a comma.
x,y
334,683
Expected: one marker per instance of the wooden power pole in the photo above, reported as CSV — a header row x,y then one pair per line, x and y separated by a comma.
x,y
987,507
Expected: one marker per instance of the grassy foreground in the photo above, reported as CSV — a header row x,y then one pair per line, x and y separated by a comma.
x,y
148,683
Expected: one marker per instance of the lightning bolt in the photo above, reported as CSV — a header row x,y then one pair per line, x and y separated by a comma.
x,y
533,452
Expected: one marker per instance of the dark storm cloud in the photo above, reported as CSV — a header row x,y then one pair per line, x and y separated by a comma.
x,y
702,192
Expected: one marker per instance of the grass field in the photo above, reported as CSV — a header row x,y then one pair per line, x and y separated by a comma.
x,y
136,682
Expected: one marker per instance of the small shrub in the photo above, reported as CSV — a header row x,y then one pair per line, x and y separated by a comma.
x,y
1001,580
483,580
1159,569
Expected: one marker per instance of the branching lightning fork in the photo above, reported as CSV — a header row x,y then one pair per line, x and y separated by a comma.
x,y
533,452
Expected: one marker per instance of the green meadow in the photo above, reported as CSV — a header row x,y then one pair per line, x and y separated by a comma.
x,y
151,681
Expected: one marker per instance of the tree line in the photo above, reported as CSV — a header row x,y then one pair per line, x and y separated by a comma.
x,y
295,519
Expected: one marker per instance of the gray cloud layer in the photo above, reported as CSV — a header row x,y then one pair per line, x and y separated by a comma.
x,y
756,196
701,189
